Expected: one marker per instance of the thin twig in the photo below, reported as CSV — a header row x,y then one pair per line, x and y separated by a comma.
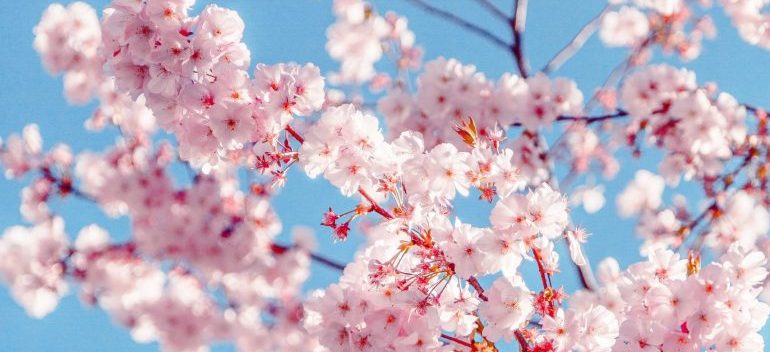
x,y
477,286
461,22
294,134
522,341
587,119
575,44
586,276
493,9
593,119
279,248
65,186
376,207
518,22
326,261
456,340
618,72
690,227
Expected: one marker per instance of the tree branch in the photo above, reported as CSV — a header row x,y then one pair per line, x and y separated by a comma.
x,y
540,268
522,341
592,119
278,248
493,9
326,261
575,44
588,119
586,276
619,71
376,207
517,23
456,340
448,16
294,134
477,286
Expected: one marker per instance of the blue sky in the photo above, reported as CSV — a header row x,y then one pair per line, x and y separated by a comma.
x,y
278,31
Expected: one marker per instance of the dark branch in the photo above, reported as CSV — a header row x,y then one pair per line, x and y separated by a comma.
x,y
461,22
593,119
588,119
326,261
586,276
279,248
493,9
518,22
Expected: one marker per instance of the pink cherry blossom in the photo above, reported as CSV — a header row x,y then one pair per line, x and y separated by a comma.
x,y
625,27
31,265
205,139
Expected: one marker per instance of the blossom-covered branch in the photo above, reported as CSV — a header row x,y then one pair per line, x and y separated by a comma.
x,y
204,263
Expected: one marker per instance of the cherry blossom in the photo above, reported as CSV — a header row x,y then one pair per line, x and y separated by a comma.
x,y
32,267
750,20
625,27
708,315
643,193
207,260
68,40
509,307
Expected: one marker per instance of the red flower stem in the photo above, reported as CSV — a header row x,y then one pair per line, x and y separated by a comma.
x,y
456,340
294,134
522,341
375,207
477,286
540,268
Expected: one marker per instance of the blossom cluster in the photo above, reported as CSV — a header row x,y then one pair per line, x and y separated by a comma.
x,y
69,41
206,259
168,222
238,256
411,278
672,304
31,266
698,127
750,20
736,218
448,92
677,26
360,37
347,147
192,73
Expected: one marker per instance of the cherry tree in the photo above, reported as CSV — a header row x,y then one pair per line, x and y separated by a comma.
x,y
204,263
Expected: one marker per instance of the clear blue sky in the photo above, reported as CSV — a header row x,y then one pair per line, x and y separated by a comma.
x,y
278,31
